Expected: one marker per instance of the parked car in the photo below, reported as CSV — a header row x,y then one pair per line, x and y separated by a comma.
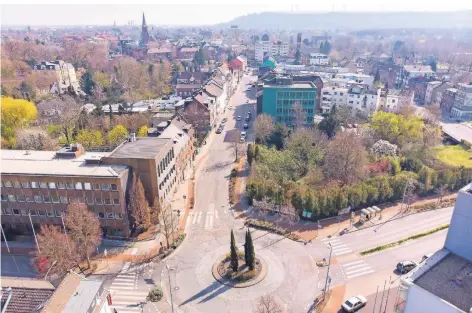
x,y
426,256
406,266
238,118
354,303
219,130
247,118
224,120
243,137
246,126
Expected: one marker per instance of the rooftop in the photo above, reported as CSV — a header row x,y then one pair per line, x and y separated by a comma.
x,y
46,163
142,148
418,68
451,280
24,299
306,85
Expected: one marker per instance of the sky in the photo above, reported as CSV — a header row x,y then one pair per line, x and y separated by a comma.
x,y
195,14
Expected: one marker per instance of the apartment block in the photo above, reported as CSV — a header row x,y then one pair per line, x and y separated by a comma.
x,y
463,101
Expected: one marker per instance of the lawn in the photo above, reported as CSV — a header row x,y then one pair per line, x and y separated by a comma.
x,y
455,155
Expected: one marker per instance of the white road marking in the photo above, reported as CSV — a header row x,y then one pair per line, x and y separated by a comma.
x,y
356,269
360,274
341,251
199,217
194,220
216,214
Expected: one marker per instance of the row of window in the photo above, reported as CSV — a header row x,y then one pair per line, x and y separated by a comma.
x,y
162,184
59,185
283,110
61,199
165,161
51,213
295,94
286,102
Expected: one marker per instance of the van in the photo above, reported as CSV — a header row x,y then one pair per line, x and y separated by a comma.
x,y
243,137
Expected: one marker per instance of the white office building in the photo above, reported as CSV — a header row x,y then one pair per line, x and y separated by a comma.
x,y
318,59
278,48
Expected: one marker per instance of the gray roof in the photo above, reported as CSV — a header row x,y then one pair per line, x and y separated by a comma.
x,y
83,297
142,148
178,135
46,163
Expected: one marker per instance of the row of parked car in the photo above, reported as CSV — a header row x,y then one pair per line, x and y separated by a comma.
x,y
222,126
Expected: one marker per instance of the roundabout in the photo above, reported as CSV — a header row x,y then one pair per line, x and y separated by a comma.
x,y
243,278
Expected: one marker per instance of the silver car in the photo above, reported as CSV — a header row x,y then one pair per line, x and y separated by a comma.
x,y
354,303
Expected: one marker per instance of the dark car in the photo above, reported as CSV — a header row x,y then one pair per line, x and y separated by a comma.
x,y
246,126
219,130
248,118
406,266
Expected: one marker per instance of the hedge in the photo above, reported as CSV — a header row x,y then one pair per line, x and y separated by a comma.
x,y
399,242
270,227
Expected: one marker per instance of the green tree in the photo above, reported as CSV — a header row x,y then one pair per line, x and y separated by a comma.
x,y
143,131
331,124
297,57
250,153
251,254
396,128
199,58
90,138
87,82
307,148
234,254
246,247
27,91
117,134
278,135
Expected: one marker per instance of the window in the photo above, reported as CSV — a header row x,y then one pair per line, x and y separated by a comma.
x,y
50,213
43,185
4,198
16,212
78,186
24,212
7,183
16,184
107,201
114,187
101,215
47,199
105,187
110,216
34,185
38,199
58,213
32,212
116,201
25,184
73,200
20,198
96,186
11,198
61,185
98,201
29,199
89,200
118,216
7,211
64,200
52,185
55,199
41,213
69,185
87,186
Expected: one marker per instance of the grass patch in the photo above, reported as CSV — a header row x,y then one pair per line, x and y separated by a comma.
x,y
399,242
455,156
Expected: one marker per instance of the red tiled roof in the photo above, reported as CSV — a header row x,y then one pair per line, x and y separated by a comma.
x,y
158,50
26,300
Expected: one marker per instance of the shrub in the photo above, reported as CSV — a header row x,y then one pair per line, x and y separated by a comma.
x,y
384,148
155,295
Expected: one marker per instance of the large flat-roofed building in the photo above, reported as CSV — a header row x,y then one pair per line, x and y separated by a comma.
x,y
153,160
443,283
43,183
282,94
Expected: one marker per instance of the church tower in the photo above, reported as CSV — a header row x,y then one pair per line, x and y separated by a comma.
x,y
144,33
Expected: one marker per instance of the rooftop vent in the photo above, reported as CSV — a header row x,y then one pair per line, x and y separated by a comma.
x,y
92,159
70,151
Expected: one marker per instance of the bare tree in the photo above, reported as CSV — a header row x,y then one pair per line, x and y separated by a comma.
x,y
168,221
55,247
298,115
84,228
433,114
138,205
263,126
441,191
346,158
27,139
268,304
289,214
235,144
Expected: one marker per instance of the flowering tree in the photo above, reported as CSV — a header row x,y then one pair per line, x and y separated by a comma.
x,y
384,148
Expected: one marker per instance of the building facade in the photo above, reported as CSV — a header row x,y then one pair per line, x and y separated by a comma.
x,y
282,95
463,102
267,48
66,78
318,59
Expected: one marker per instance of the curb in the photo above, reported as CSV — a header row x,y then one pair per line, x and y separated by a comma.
x,y
249,283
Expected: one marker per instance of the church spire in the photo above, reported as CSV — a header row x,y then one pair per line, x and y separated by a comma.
x,y
144,33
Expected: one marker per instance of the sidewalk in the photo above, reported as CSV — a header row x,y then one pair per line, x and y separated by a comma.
x,y
308,230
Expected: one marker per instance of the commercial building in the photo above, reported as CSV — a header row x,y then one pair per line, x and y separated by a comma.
x,y
318,59
41,184
443,283
282,94
463,101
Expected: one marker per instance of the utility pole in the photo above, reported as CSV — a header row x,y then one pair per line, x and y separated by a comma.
x,y
5,238
327,274
34,232
65,232
381,301
388,292
375,301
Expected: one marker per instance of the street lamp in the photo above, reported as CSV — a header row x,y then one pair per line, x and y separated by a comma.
x,y
170,289
53,263
327,274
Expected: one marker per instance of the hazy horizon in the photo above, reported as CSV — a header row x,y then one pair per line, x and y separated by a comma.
x,y
195,14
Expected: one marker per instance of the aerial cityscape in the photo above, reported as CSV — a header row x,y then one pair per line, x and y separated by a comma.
x,y
236,158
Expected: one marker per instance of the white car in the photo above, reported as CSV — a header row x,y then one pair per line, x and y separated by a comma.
x,y
354,303
238,118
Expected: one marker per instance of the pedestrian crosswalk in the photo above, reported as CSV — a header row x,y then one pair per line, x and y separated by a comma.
x,y
356,269
339,248
125,296
207,219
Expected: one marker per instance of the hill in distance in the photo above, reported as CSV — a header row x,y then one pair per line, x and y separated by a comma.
x,y
353,20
